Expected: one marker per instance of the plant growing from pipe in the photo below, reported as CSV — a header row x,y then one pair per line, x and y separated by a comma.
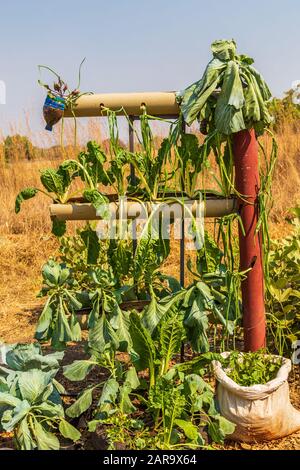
x,y
59,97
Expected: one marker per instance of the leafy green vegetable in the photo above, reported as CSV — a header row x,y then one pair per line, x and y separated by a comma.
x,y
114,395
242,101
22,357
30,405
59,227
92,245
55,181
144,353
68,431
283,284
24,195
248,369
58,321
99,201
78,370
81,404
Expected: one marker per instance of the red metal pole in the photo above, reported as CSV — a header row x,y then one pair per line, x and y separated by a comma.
x,y
245,149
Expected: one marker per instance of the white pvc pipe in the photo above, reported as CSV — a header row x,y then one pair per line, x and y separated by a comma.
x,y
85,211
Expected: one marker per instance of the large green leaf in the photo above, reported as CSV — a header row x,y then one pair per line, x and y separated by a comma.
x,y
196,95
55,274
81,404
120,322
229,114
143,344
51,410
23,436
78,370
75,327
156,310
99,201
109,395
45,320
23,357
59,227
68,169
73,301
219,428
33,383
96,298
13,417
151,250
45,440
93,162
68,431
103,336
53,181
152,314
24,195
189,429
19,354
196,324
125,404
170,337
91,241
62,332
9,400
194,383
131,378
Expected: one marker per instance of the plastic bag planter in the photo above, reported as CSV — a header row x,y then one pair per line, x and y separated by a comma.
x,y
260,412
53,110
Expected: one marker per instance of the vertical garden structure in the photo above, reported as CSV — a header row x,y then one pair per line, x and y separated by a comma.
x,y
245,149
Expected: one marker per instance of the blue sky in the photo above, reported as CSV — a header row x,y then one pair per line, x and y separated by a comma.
x,y
133,45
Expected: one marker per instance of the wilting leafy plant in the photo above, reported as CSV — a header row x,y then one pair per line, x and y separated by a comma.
x,y
243,97
58,320
106,313
191,156
81,252
230,97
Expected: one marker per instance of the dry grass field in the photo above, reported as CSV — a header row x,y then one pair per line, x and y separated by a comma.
x,y
26,241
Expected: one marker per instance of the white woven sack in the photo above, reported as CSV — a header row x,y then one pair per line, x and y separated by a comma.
x,y
260,412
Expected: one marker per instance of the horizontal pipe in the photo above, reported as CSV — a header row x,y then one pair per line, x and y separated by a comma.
x,y
85,211
157,103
